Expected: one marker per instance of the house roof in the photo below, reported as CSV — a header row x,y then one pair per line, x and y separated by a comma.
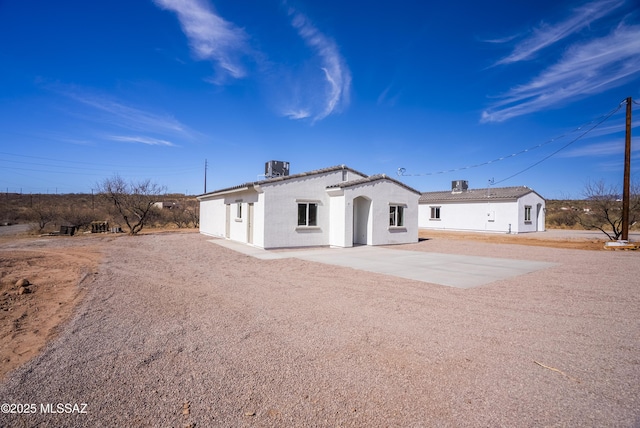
x,y
371,179
477,195
283,178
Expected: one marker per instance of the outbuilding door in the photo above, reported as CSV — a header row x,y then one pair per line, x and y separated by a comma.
x,y
361,220
250,225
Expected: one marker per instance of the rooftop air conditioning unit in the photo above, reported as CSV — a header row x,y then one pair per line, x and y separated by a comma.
x,y
273,169
459,186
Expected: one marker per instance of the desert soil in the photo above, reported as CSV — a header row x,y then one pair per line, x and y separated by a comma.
x,y
168,329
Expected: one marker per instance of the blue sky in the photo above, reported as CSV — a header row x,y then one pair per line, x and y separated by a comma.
x,y
444,90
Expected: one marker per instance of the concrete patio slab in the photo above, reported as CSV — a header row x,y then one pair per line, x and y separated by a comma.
x,y
436,268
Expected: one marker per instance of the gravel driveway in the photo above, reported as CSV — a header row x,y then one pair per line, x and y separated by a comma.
x,y
177,332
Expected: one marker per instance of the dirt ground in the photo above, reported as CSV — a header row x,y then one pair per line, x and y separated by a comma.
x,y
30,316
552,239
152,336
28,320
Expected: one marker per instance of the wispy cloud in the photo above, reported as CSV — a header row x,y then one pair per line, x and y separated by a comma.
x,y
297,114
97,115
124,116
335,75
546,35
387,97
210,36
596,150
141,139
585,69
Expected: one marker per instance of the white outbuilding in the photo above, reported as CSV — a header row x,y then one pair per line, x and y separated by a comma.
x,y
336,206
495,209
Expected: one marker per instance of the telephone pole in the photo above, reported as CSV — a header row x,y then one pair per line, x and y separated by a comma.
x,y
627,175
205,176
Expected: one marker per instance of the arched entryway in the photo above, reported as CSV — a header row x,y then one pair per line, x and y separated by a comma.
x,y
361,221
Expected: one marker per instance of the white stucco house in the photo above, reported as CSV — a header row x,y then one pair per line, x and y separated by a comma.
x,y
496,209
336,206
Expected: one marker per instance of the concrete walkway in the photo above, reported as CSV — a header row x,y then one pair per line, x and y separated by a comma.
x,y
436,268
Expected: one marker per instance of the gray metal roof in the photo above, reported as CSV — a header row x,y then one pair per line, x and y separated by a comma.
x,y
284,178
476,195
371,179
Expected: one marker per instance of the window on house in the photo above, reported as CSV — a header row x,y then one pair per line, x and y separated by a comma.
x,y
396,215
527,213
307,214
238,209
435,213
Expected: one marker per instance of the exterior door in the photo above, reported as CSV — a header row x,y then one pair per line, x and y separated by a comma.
x,y
250,225
227,221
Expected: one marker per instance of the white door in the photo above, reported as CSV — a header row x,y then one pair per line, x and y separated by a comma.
x,y
227,221
250,225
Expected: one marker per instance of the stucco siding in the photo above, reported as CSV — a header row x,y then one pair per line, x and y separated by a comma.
x,y
211,211
281,209
313,209
487,216
382,195
213,215
481,216
537,218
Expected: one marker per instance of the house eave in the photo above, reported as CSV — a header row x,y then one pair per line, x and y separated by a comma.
x,y
223,192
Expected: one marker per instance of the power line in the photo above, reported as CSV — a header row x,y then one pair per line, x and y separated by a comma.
x,y
402,171
89,164
81,168
565,146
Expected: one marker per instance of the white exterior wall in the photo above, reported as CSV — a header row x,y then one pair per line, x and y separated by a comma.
x,y
382,195
281,209
211,211
537,222
337,209
478,216
485,216
275,212
258,221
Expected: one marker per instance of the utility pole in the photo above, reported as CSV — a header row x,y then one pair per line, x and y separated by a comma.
x,y
205,176
627,175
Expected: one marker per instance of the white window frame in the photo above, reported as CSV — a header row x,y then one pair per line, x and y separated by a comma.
x,y
527,214
396,215
307,213
239,210
435,212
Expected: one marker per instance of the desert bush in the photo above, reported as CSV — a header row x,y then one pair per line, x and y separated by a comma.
x,y
77,215
184,214
560,219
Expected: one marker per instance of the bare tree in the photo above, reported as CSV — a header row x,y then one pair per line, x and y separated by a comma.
x,y
131,202
605,209
193,212
43,213
179,217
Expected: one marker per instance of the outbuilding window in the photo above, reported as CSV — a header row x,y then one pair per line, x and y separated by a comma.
x,y
396,215
527,213
239,210
307,214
